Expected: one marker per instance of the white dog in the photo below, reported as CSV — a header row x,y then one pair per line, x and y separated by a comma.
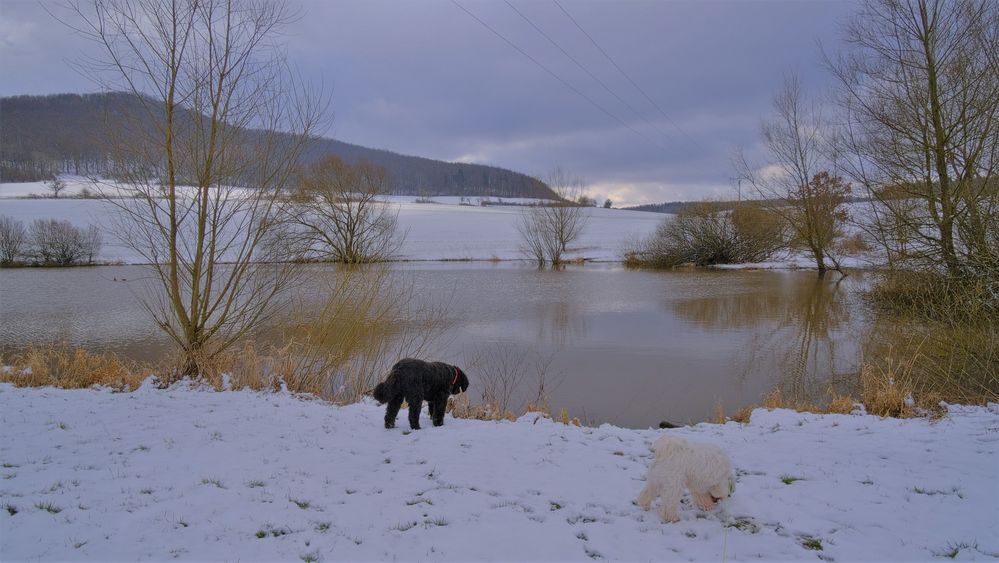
x,y
704,469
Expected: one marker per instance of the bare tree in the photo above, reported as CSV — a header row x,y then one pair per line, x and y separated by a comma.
x,y
205,159
13,236
794,184
61,243
56,185
920,92
546,230
339,217
92,243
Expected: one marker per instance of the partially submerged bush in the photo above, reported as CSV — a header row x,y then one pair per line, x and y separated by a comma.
x,y
47,242
705,234
61,243
950,324
930,296
13,237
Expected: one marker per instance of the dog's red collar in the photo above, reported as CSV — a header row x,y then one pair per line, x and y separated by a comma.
x,y
455,382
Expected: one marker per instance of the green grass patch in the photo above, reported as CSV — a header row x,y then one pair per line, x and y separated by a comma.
x,y
814,544
48,507
954,548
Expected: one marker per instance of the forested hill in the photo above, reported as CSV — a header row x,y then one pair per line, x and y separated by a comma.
x,y
68,133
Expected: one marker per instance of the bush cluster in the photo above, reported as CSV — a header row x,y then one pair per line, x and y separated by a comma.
x,y
47,242
706,234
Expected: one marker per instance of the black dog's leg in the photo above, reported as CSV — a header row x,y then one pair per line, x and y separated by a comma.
x,y
415,404
437,408
432,409
391,411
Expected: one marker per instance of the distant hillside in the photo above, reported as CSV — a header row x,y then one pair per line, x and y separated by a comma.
x,y
68,133
667,207
726,205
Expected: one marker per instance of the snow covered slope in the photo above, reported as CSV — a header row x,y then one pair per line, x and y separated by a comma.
x,y
194,474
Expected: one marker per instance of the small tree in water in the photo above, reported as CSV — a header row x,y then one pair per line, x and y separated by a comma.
x,y
816,215
794,184
338,216
547,230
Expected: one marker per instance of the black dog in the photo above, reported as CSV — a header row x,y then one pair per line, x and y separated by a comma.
x,y
417,381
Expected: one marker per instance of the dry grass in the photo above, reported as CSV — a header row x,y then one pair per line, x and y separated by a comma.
x,y
840,404
71,368
777,399
462,407
339,348
742,415
887,388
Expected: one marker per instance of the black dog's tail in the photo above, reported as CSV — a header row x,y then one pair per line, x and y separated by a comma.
x,y
385,390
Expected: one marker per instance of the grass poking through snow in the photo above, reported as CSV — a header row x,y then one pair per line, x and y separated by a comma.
x,y
48,507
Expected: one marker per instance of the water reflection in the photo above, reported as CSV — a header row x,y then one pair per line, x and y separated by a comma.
x,y
806,330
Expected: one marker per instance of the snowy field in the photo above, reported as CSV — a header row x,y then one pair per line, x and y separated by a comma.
x,y
443,230
200,475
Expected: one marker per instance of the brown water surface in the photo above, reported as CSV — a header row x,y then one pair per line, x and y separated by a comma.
x,y
628,347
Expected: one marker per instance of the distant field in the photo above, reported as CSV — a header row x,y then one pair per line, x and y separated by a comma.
x,y
443,230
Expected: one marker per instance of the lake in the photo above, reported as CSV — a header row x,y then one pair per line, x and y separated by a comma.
x,y
627,347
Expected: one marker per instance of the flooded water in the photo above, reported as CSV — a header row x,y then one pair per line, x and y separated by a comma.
x,y
627,347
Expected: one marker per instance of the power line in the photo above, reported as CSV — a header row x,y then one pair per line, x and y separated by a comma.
x,y
625,74
557,77
586,70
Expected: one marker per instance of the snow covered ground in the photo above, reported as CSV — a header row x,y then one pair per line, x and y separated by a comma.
x,y
190,474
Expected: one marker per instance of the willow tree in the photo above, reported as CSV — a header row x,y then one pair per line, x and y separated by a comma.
x,y
211,143
920,92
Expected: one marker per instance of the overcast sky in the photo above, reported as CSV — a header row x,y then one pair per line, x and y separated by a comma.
x,y
425,78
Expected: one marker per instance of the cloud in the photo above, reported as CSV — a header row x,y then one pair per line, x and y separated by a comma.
x,y
630,194
16,36
426,79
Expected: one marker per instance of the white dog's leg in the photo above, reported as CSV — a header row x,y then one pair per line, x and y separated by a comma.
x,y
670,490
648,494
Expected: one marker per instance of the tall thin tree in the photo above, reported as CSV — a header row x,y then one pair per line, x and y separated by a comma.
x,y
795,184
217,132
